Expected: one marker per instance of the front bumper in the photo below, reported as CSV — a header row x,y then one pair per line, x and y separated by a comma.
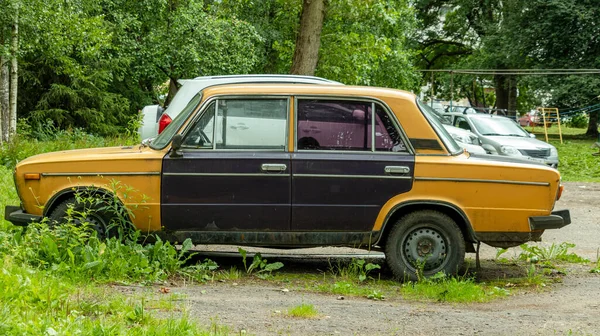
x,y
556,220
17,216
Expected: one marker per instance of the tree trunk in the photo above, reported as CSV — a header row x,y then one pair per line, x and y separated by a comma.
x,y
172,90
512,95
592,130
4,99
306,54
501,91
14,73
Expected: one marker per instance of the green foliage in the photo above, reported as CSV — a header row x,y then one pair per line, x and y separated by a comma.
x,y
442,288
38,302
551,253
33,140
261,267
579,120
363,43
596,268
303,311
357,269
376,295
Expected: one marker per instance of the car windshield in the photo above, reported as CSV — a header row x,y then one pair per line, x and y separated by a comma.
x,y
434,119
498,126
163,139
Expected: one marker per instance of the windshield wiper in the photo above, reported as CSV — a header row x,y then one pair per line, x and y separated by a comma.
x,y
492,134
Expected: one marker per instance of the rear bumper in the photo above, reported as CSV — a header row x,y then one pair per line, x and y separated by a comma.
x,y
17,216
556,220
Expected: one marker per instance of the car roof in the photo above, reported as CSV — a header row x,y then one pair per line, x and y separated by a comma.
x,y
190,87
309,89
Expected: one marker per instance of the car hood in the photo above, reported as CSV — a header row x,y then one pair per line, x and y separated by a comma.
x,y
457,130
519,142
90,155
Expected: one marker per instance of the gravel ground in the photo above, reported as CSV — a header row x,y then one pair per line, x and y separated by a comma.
x,y
570,307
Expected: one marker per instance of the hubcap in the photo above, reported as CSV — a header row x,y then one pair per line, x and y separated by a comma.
x,y
425,246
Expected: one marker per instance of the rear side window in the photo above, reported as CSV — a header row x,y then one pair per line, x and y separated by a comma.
x,y
345,125
241,124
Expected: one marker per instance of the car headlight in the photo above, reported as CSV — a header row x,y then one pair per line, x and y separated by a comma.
x,y
553,151
462,138
510,150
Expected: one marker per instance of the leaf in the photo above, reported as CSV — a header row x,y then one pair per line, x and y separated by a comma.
x,y
272,267
369,267
186,246
91,264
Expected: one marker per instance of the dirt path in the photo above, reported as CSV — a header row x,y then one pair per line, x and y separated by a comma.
x,y
571,307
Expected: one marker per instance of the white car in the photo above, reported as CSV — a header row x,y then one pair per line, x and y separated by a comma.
x,y
155,119
468,140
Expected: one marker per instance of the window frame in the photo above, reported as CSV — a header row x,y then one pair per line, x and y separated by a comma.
x,y
386,109
215,99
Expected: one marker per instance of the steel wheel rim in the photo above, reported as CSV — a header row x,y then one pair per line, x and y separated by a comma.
x,y
425,247
96,223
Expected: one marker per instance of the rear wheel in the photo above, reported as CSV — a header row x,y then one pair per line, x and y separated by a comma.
x,y
424,243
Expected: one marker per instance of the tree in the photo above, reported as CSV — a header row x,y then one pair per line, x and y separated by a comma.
x,y
560,34
306,53
362,42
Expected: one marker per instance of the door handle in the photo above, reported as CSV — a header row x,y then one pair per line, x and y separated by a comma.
x,y
273,167
397,170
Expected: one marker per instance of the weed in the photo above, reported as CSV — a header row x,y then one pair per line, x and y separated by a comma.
x,y
550,254
596,268
231,274
376,295
261,266
442,288
303,311
357,269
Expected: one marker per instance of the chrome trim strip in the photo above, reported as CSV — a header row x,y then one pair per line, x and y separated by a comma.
x,y
103,174
445,179
228,174
373,144
355,176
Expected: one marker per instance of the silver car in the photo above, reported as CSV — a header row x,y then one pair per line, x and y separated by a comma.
x,y
504,136
154,119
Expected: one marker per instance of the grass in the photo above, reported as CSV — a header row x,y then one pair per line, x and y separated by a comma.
x,y
306,311
577,164
37,302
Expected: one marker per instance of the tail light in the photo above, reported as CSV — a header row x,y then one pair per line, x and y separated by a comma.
x,y
163,122
560,191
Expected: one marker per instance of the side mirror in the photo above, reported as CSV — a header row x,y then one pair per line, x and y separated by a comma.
x,y
176,145
531,135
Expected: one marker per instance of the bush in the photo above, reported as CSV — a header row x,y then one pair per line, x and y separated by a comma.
x,y
579,120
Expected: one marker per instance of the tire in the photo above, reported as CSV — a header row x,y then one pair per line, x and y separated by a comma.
x,y
427,239
100,220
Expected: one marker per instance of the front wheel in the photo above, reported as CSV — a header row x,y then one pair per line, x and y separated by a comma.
x,y
96,213
424,243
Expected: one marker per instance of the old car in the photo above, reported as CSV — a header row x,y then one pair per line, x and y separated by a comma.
x,y
294,165
506,137
154,118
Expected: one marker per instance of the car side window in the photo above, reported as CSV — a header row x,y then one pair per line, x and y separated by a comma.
x,y
241,124
201,134
387,136
461,122
344,125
